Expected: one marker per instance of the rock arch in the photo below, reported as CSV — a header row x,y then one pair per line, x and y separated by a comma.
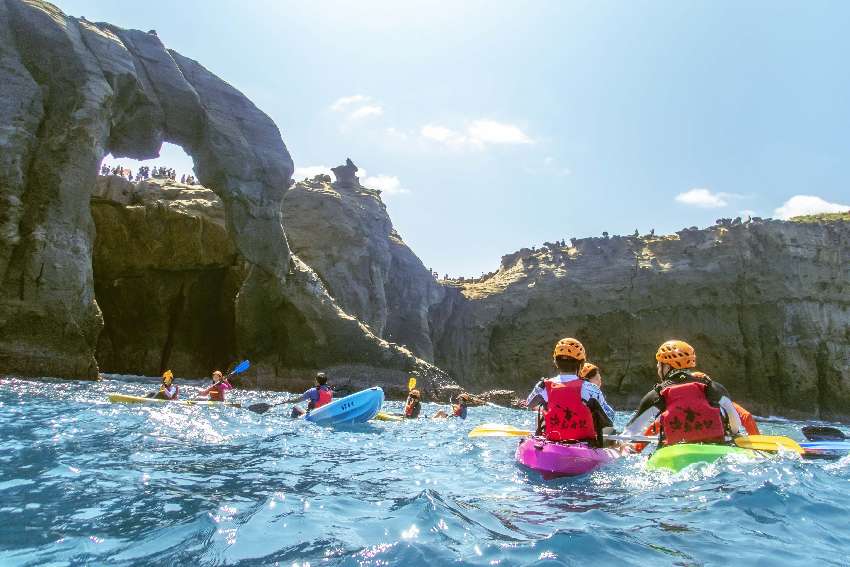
x,y
74,91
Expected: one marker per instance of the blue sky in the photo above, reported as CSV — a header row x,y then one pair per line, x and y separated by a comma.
x,y
497,125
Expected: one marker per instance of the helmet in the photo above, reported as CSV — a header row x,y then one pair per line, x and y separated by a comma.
x,y
415,394
321,378
587,369
570,348
167,376
678,354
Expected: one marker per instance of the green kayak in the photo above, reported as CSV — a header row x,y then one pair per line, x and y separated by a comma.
x,y
677,457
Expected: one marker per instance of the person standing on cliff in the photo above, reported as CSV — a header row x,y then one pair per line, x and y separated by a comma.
x,y
318,396
689,405
578,411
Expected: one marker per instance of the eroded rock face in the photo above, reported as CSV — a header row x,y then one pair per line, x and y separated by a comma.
x,y
166,277
343,231
75,91
767,306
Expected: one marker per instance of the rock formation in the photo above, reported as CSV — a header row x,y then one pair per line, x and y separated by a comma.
x,y
766,304
342,230
74,91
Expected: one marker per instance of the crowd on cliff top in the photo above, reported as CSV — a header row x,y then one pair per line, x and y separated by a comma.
x,y
145,172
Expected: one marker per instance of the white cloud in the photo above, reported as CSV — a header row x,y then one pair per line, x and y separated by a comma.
x,y
808,205
703,198
341,104
310,171
477,134
366,111
388,184
492,132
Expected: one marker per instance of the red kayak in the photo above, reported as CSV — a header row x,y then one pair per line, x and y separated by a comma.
x,y
557,459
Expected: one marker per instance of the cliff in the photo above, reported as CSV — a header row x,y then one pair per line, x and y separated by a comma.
x,y
766,305
75,91
343,231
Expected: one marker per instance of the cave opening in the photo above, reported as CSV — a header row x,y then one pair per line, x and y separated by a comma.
x,y
166,273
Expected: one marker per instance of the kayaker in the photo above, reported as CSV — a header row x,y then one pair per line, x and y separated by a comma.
x,y
689,405
459,407
219,386
167,389
570,408
316,396
413,405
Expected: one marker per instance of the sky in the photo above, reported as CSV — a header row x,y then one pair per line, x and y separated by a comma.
x,y
497,125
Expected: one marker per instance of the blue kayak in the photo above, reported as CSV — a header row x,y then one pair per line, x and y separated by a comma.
x,y
826,449
356,408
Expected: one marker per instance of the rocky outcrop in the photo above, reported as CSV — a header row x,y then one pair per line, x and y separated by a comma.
x,y
166,275
75,91
766,304
343,231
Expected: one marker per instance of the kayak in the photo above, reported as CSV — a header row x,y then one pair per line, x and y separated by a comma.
x,y
383,416
553,460
677,457
359,407
825,449
116,398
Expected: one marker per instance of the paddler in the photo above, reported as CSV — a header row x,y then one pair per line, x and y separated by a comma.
x,y
219,386
413,405
573,409
689,405
167,389
317,396
459,407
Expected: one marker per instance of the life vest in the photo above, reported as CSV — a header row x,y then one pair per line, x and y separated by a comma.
x,y
567,416
176,392
688,417
326,395
216,391
411,409
459,410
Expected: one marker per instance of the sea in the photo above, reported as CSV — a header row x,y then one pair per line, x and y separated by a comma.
x,y
88,482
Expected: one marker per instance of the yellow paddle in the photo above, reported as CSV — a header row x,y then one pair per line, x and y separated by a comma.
x,y
411,383
498,430
768,443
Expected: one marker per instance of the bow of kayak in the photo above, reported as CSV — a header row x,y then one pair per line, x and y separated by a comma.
x,y
677,457
554,460
359,407
117,398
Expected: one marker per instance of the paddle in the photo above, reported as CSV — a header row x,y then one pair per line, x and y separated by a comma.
x,y
263,407
499,430
823,433
768,443
411,383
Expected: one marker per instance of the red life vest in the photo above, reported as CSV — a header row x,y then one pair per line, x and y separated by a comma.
x,y
567,416
325,397
410,409
688,417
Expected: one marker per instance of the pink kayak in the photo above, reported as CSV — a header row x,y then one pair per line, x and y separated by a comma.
x,y
555,459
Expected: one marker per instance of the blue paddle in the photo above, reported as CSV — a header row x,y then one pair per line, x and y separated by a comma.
x,y
241,367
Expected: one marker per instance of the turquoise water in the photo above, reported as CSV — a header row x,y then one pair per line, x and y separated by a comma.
x,y
85,482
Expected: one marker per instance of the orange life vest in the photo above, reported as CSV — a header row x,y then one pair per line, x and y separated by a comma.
x,y
567,416
688,417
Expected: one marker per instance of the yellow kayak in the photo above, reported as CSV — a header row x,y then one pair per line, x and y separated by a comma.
x,y
116,398
382,416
